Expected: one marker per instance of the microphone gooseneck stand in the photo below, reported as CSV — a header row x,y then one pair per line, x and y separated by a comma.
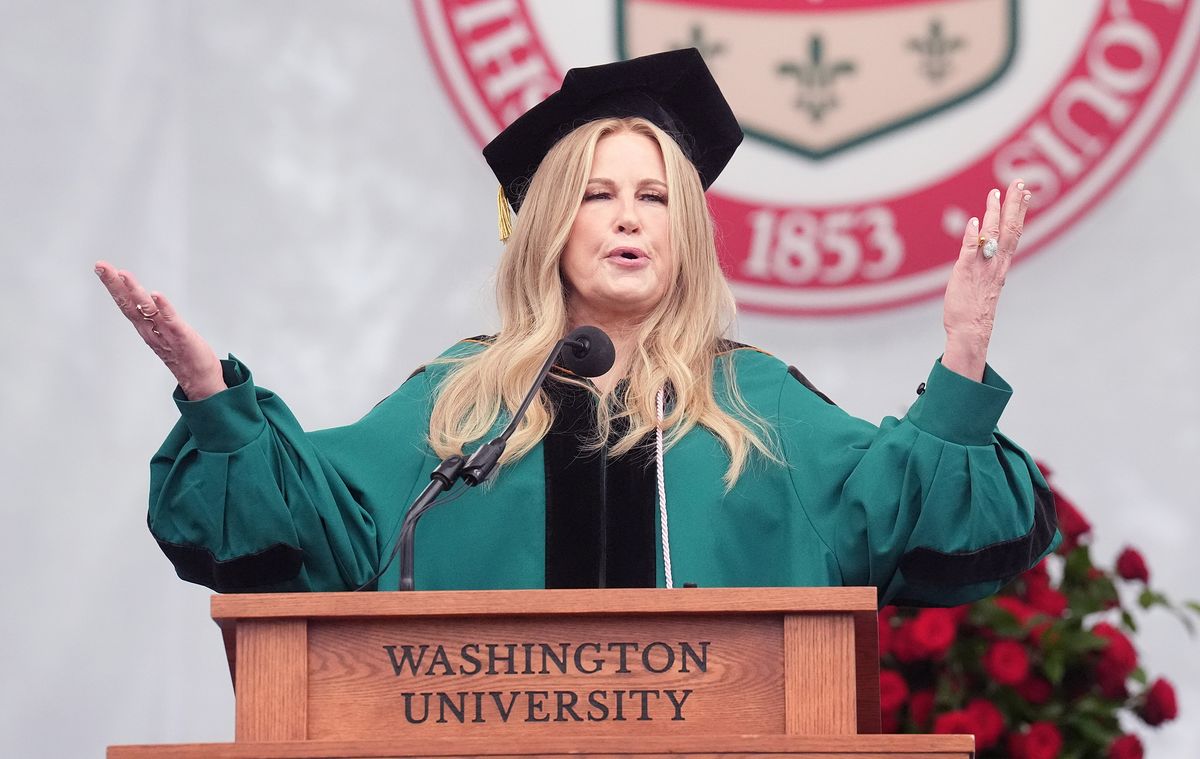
x,y
591,355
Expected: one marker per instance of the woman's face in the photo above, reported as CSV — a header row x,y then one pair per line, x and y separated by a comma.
x,y
618,259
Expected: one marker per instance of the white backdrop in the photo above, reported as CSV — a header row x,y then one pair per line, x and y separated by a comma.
x,y
294,177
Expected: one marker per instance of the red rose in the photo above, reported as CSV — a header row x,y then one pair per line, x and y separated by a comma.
x,y
1117,661
1132,566
935,630
1044,741
1118,653
1044,598
1035,690
905,646
1160,703
1021,611
1007,662
954,723
1041,741
1071,523
1125,747
989,723
893,691
1110,679
920,708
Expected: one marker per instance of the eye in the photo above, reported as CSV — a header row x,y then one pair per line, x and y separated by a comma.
x,y
597,195
654,197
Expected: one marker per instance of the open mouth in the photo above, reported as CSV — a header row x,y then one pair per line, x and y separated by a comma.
x,y
629,254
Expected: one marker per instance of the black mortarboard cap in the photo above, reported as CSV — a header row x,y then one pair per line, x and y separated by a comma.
x,y
673,90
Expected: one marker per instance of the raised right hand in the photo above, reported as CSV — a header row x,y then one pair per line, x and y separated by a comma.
x,y
186,354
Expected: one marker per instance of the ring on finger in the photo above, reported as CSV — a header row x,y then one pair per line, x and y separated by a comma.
x,y
146,313
154,331
989,247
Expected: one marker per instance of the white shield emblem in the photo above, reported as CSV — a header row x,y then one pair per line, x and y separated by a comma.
x,y
819,77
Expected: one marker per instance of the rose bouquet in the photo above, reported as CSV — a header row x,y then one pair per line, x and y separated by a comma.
x,y
1044,669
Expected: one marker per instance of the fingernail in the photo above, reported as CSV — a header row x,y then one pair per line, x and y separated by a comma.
x,y
972,223
995,194
99,271
1027,197
1020,185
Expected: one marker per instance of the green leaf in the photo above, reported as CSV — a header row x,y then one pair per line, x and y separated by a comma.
x,y
1139,675
1093,730
1089,641
1128,621
1193,605
1106,592
1090,705
1149,598
989,615
947,695
1077,565
1187,623
1055,666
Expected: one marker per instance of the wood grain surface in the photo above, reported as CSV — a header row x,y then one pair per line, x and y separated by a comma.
x,y
272,679
226,608
827,747
592,664
866,671
819,660
354,690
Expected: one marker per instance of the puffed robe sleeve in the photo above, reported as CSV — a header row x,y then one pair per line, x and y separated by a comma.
x,y
242,498
937,508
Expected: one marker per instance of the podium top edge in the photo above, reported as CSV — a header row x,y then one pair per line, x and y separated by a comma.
x,y
512,603
631,746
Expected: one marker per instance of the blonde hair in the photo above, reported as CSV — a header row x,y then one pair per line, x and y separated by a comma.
x,y
677,343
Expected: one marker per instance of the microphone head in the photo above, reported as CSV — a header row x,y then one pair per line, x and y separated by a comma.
x,y
592,353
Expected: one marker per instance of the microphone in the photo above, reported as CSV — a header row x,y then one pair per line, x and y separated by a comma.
x,y
591,355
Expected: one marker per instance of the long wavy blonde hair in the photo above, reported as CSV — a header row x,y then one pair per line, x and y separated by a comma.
x,y
677,343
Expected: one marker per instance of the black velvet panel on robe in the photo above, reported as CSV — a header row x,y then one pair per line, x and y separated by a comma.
x,y
600,510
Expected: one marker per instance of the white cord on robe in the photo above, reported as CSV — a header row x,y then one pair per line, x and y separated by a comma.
x,y
662,496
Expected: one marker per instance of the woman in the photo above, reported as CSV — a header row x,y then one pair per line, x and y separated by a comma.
x,y
769,483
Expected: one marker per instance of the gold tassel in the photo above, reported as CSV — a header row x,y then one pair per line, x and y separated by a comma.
x,y
504,213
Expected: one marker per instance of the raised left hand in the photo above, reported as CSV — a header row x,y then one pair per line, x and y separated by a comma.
x,y
976,280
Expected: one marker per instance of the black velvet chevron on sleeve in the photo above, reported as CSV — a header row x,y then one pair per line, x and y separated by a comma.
x,y
997,562
796,375
270,566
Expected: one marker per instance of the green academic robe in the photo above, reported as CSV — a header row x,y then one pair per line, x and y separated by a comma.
x,y
937,508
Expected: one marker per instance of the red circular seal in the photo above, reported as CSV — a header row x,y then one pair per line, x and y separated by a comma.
x,y
874,127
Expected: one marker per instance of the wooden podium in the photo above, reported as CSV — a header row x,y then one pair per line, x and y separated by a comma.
x,y
646,672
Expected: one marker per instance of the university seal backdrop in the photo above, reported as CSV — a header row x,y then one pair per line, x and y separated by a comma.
x,y
863,159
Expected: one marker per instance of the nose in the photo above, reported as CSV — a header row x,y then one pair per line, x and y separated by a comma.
x,y
627,219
